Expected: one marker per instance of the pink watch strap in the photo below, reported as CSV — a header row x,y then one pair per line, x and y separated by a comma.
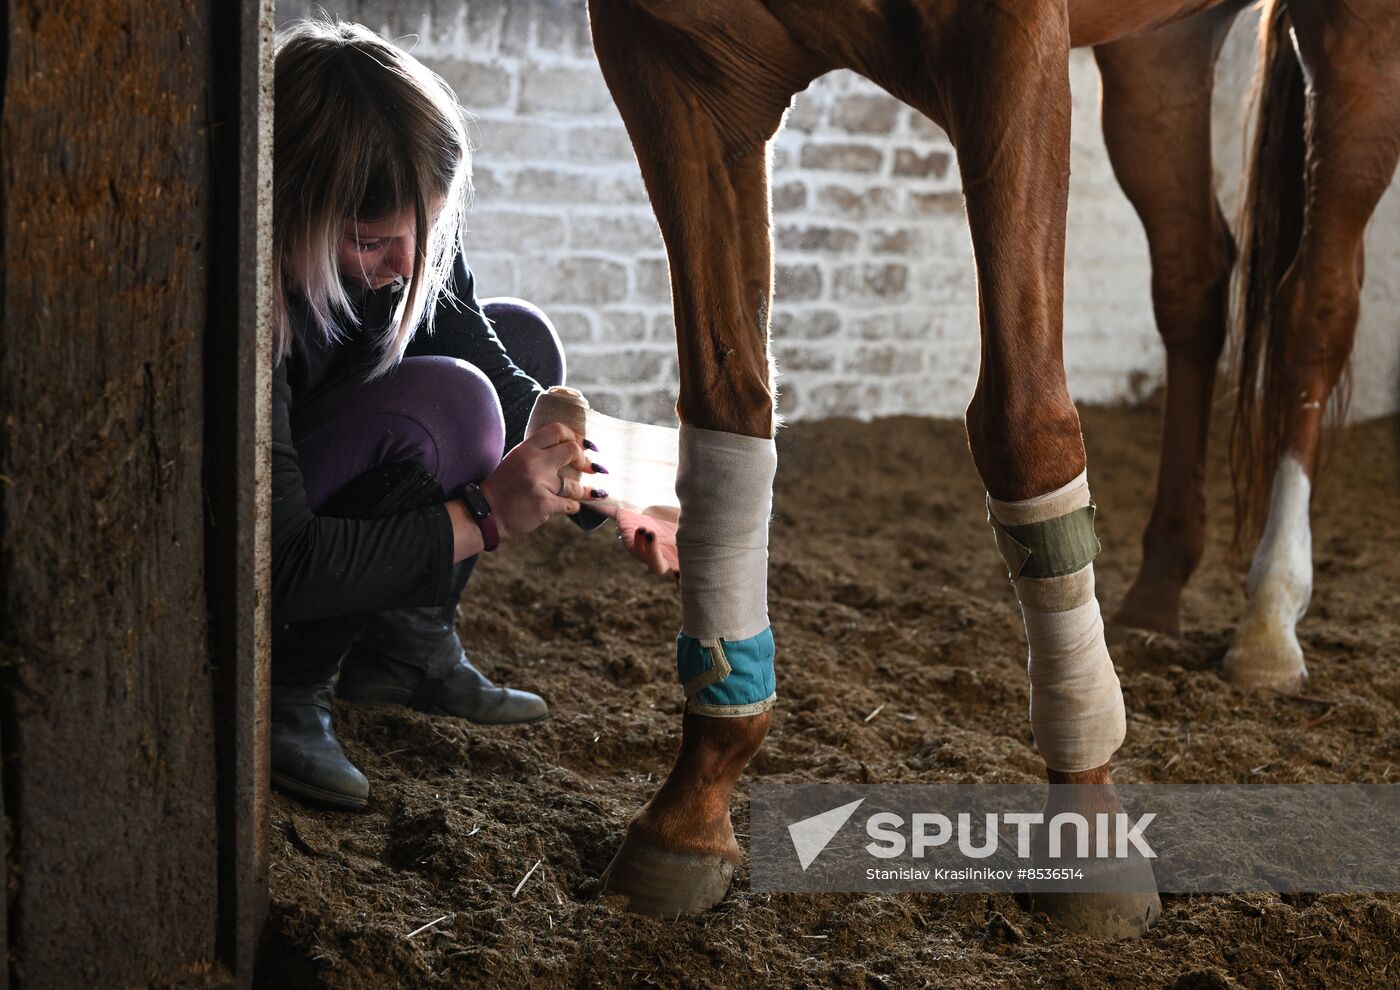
x,y
479,510
490,535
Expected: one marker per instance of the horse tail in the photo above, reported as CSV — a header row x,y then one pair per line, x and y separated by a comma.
x,y
1270,228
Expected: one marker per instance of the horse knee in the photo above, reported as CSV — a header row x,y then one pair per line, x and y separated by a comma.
x,y
1024,440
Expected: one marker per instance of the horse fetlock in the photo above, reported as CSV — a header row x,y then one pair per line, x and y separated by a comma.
x,y
690,811
693,824
720,748
1279,591
1150,606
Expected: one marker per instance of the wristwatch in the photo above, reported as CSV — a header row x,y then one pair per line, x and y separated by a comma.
x,y
480,510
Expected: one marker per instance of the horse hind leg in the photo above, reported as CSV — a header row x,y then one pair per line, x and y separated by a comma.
x,y
1353,56
701,100
1156,124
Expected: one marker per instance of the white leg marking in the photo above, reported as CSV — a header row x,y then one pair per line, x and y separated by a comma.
x,y
1266,653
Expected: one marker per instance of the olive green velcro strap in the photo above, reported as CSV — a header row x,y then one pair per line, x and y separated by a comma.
x,y
1052,548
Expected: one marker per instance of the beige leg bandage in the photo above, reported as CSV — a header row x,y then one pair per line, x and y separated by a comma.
x,y
641,459
725,484
1076,707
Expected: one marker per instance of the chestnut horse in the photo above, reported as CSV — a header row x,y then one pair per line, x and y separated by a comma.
x,y
703,85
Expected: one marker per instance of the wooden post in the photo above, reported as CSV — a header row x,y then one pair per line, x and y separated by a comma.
x,y
133,362
237,430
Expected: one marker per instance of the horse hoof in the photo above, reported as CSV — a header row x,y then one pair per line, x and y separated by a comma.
x,y
1122,904
1266,660
1110,915
665,884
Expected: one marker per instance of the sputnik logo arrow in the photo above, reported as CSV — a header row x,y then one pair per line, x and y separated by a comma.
x,y
811,835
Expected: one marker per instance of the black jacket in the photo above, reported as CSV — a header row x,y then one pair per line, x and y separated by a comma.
x,y
324,566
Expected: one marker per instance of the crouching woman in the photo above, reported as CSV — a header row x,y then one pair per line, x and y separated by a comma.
x,y
395,395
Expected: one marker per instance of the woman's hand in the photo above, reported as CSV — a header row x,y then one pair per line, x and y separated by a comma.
x,y
650,536
526,488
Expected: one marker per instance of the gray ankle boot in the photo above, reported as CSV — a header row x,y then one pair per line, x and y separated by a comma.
x,y
307,761
412,656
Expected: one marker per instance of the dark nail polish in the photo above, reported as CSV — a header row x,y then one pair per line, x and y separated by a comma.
x,y
590,445
599,493
651,537
600,469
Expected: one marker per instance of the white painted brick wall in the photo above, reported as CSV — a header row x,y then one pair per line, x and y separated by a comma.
x,y
875,308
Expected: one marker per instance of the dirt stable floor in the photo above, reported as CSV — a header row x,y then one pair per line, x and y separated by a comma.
x,y
886,591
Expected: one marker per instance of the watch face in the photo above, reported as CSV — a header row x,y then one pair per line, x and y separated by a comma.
x,y
476,502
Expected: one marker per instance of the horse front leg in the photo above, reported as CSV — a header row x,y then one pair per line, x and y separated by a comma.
x,y
1008,105
700,101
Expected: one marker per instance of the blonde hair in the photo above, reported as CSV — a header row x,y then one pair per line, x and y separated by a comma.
x,y
363,131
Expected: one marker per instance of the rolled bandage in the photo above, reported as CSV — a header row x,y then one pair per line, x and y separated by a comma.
x,y
724,654
1048,544
641,459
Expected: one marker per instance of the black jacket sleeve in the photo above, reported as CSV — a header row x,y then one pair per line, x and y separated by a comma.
x,y
324,566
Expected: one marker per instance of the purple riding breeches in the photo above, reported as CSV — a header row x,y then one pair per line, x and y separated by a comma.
x,y
438,412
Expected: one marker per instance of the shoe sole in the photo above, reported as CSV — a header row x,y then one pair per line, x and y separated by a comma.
x,y
318,795
386,698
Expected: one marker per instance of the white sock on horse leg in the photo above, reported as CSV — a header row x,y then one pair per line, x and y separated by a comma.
x,y
725,650
1048,544
1280,575
1266,652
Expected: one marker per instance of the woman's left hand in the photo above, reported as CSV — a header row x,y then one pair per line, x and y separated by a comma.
x,y
650,536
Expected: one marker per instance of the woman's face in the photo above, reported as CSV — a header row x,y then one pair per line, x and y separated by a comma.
x,y
374,253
